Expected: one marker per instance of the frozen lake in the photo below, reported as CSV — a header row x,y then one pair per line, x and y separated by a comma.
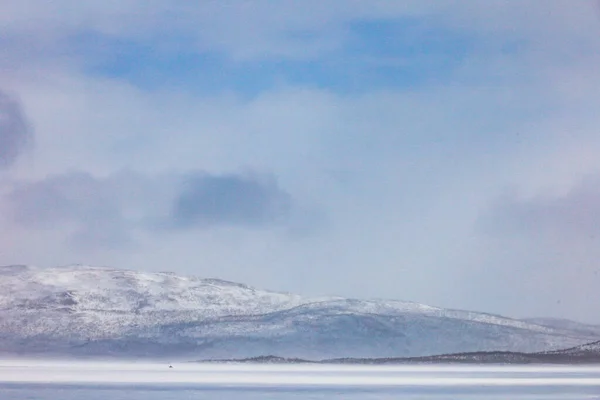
x,y
133,381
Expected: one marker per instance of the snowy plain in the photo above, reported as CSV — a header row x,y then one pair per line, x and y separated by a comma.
x,y
45,380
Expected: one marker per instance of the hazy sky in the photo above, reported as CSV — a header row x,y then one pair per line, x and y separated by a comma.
x,y
446,152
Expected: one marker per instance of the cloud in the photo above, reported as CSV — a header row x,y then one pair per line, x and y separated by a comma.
x,y
401,172
232,200
261,29
77,202
542,248
573,215
108,212
15,130
242,30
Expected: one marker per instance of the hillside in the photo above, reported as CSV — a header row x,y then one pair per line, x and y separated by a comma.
x,y
86,311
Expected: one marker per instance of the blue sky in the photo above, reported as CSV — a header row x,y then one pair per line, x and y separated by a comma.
x,y
435,151
374,54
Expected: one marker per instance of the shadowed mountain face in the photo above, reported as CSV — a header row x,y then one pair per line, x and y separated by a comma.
x,y
87,311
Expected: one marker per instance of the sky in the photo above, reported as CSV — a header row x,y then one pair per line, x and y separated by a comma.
x,y
444,152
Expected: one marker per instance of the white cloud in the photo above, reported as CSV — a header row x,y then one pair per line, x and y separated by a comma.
x,y
289,28
402,175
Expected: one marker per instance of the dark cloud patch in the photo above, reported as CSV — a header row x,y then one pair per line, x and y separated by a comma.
x,y
234,200
15,131
575,214
78,202
109,212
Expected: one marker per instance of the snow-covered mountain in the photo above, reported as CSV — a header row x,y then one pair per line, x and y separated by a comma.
x,y
90,311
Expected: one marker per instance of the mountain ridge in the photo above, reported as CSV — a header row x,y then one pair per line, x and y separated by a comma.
x,y
585,354
85,311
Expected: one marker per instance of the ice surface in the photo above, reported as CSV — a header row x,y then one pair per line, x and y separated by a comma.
x,y
70,380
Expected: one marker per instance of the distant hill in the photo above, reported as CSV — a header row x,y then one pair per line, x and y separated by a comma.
x,y
584,354
83,311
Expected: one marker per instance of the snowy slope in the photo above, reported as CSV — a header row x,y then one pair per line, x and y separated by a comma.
x,y
566,325
80,288
81,310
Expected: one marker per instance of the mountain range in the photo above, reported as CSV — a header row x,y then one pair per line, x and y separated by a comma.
x,y
84,311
